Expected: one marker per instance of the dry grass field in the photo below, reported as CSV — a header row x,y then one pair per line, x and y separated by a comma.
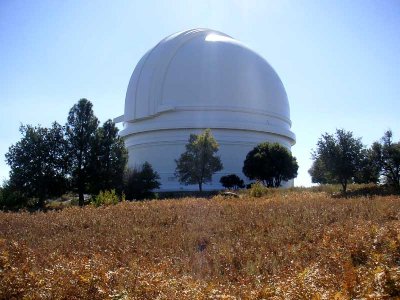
x,y
291,245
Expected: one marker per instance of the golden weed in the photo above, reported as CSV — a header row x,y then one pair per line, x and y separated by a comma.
x,y
295,245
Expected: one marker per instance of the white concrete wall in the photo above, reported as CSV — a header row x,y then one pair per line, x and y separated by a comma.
x,y
161,148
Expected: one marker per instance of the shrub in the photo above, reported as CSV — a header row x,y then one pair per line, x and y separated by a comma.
x,y
326,188
11,199
257,190
231,181
140,182
105,198
75,201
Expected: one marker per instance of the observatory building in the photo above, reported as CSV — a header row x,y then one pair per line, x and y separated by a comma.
x,y
198,79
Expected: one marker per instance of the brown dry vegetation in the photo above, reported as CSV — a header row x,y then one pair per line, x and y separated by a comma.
x,y
293,245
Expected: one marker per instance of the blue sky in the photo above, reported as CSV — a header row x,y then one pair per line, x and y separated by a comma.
x,y
338,60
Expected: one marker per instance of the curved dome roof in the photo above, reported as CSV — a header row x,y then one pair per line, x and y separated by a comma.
x,y
204,69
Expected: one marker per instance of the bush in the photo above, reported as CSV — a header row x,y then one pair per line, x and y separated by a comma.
x,y
326,188
105,198
11,199
231,181
257,190
140,182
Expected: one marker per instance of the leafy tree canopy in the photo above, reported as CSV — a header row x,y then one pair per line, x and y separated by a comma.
x,y
38,162
387,155
270,163
199,162
46,160
231,181
369,169
11,198
140,182
338,158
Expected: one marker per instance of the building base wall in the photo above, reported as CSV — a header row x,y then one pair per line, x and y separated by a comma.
x,y
161,148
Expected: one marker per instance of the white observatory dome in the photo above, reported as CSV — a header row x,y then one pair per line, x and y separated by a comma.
x,y
198,79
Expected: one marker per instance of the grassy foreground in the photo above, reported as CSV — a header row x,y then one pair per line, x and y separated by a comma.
x,y
294,245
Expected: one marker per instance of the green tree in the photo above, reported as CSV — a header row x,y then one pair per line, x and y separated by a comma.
x,y
387,154
140,182
231,181
11,198
270,163
38,162
369,168
81,130
319,173
199,162
337,159
109,158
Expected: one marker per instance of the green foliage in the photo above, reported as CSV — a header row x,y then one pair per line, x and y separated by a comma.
x,y
257,190
199,162
231,181
81,132
48,161
109,158
387,155
98,155
140,182
369,169
319,174
338,158
75,201
271,164
11,199
105,198
38,162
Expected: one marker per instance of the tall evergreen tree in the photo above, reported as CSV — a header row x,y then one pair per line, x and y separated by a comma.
x,y
109,159
81,133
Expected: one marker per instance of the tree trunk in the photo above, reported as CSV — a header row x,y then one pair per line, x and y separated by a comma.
x,y
80,192
200,187
277,182
42,194
41,202
396,178
81,199
80,183
344,186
